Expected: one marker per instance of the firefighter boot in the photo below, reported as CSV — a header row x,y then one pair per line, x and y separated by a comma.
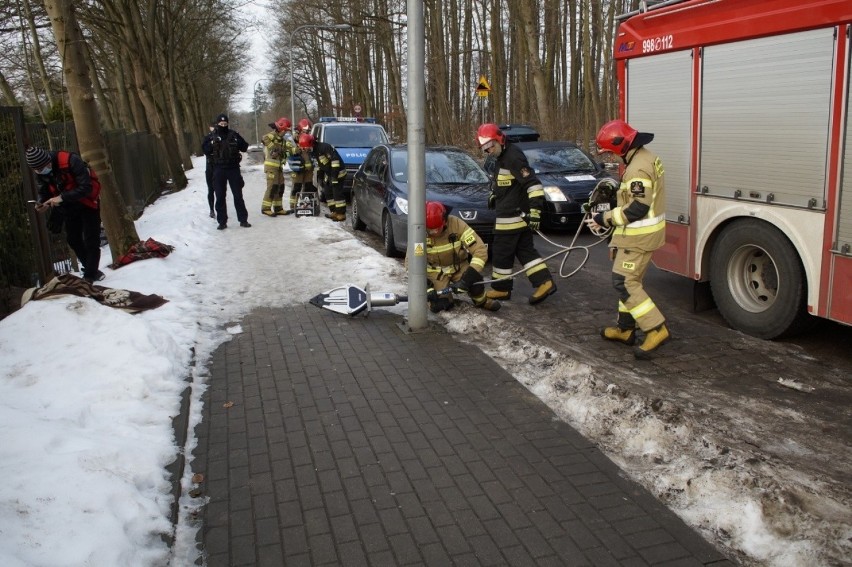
x,y
542,292
283,212
484,302
340,216
498,294
626,336
654,339
267,212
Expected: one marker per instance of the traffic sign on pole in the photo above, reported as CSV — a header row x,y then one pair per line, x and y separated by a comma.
x,y
483,88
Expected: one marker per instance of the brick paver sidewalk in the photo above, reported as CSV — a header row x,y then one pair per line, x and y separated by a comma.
x,y
329,440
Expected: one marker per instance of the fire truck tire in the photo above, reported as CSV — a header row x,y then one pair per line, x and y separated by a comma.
x,y
388,241
357,223
758,281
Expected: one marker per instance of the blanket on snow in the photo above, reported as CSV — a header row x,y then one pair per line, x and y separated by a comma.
x,y
142,250
67,284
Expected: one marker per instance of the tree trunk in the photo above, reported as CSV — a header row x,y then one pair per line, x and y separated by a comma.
x,y
118,224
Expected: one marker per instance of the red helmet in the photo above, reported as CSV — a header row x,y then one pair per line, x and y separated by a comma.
x,y
306,141
436,215
615,136
488,132
304,125
283,124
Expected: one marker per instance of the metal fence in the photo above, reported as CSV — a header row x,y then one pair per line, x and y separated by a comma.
x,y
29,254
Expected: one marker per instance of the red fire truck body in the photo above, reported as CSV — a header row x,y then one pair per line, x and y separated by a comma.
x,y
749,104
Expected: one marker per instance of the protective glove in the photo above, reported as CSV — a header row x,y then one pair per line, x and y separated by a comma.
x,y
431,294
599,219
492,201
468,279
586,207
534,219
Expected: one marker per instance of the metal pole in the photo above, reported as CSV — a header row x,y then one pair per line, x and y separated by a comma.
x,y
417,318
340,27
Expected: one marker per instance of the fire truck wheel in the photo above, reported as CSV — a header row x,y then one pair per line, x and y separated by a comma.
x,y
357,223
758,281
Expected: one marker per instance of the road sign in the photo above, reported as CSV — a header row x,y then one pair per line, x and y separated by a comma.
x,y
483,88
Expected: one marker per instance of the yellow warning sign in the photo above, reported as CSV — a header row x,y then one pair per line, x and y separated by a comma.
x,y
483,88
418,248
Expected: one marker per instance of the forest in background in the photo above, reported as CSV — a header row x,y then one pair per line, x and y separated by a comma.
x,y
168,66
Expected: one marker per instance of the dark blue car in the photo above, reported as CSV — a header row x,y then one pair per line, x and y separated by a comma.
x,y
568,175
380,192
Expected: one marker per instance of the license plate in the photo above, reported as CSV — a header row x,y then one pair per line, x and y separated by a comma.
x,y
601,207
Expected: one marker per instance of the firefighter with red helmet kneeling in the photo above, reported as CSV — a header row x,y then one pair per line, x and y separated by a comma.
x,y
455,258
275,152
330,174
518,198
639,228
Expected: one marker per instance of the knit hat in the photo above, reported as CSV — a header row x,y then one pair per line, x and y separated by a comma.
x,y
37,157
222,118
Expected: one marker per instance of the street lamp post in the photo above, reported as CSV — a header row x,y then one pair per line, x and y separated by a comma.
x,y
340,27
254,100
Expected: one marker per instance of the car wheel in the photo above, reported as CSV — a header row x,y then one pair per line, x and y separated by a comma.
x,y
758,281
357,223
388,241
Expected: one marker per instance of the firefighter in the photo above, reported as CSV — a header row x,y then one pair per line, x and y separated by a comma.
x,y
330,175
518,198
275,151
304,127
455,258
639,222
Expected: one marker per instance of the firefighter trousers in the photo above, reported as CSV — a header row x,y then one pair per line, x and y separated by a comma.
x,y
634,304
520,245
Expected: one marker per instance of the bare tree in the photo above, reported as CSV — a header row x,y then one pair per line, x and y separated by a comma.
x,y
118,225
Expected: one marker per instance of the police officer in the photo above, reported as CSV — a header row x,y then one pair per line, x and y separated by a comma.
x,y
275,152
225,147
639,222
455,258
518,198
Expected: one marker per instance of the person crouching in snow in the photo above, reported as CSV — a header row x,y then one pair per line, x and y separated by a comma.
x,y
455,258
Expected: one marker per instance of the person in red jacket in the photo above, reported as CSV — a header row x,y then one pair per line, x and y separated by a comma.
x,y
66,186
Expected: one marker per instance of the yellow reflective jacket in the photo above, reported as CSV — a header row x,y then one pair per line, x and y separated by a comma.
x,y
643,182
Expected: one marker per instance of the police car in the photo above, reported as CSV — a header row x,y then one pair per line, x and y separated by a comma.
x,y
353,137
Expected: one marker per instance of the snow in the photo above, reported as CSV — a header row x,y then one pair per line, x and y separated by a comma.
x,y
88,393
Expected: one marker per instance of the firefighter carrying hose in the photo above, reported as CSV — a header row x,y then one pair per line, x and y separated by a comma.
x,y
518,199
639,223
455,258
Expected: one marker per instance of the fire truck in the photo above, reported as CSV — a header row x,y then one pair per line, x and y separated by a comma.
x,y
749,104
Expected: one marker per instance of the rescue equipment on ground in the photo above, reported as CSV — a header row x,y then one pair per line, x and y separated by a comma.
x,y
307,204
352,300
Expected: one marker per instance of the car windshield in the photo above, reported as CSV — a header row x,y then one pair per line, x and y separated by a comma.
x,y
362,136
559,160
443,165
